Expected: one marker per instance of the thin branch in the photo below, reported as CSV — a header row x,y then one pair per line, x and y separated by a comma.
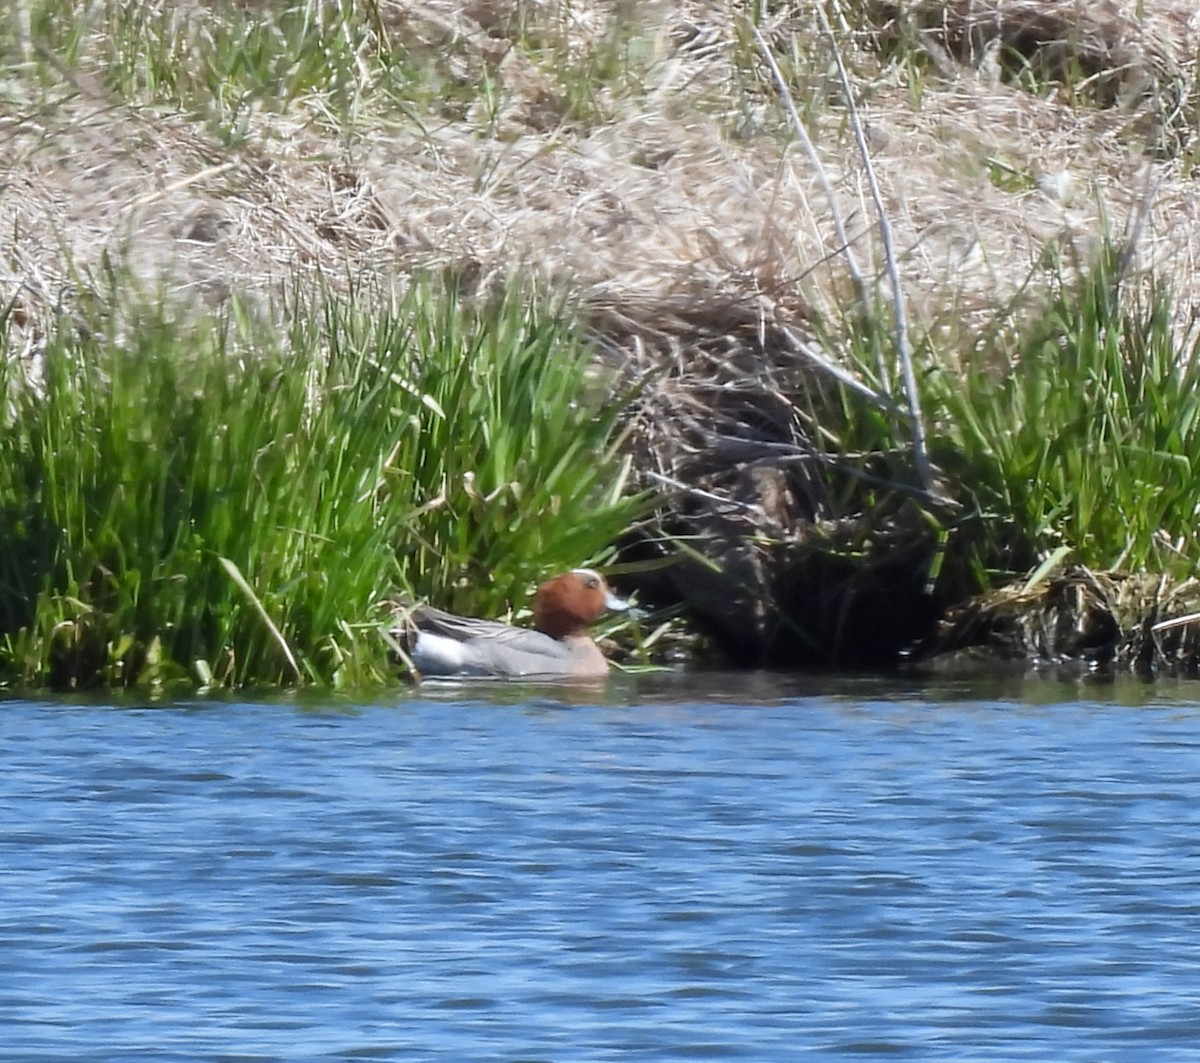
x,y
842,376
708,496
1136,228
903,348
839,227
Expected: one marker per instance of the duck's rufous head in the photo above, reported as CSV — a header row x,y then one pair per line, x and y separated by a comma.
x,y
566,605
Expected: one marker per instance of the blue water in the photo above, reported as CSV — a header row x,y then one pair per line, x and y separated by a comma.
x,y
724,868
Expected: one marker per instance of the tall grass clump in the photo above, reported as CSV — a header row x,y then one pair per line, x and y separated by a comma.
x,y
1088,440
225,503
1069,434
225,60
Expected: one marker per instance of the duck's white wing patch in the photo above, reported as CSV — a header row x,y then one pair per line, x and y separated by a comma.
x,y
437,654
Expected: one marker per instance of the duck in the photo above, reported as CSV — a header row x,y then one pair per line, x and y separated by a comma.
x,y
558,646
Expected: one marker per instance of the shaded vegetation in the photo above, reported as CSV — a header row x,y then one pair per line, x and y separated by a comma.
x,y
1065,434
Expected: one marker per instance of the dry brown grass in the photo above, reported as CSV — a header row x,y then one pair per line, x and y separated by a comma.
x,y
680,186
1111,621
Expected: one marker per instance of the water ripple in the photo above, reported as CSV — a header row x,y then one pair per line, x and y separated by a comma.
x,y
854,872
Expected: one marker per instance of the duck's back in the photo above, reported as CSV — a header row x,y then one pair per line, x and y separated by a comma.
x,y
449,645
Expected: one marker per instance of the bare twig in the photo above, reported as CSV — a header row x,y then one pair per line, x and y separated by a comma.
x,y
721,501
1137,227
839,226
842,376
183,182
903,348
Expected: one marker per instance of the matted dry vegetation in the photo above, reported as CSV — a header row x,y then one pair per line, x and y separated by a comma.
x,y
638,154
1142,622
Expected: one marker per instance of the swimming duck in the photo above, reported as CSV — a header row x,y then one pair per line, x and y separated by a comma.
x,y
558,647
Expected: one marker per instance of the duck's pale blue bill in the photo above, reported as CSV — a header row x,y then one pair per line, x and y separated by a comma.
x,y
615,604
